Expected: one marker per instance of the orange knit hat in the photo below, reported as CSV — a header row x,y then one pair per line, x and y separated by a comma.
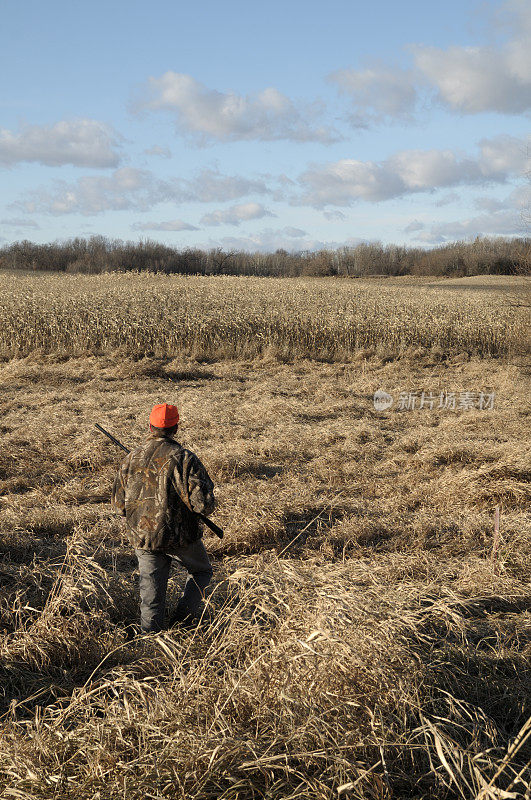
x,y
164,416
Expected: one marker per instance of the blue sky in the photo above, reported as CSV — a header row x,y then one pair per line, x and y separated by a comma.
x,y
299,124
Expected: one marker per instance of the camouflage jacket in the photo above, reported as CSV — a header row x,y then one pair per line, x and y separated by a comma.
x,y
158,486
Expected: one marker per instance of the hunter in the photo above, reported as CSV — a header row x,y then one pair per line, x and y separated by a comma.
x,y
158,488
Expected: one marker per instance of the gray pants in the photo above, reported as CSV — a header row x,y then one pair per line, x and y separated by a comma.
x,y
154,573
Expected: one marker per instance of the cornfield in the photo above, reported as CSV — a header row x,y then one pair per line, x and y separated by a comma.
x,y
231,317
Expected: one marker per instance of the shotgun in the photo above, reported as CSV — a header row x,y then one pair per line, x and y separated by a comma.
x,y
212,525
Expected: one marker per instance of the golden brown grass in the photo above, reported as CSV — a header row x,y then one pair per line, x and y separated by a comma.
x,y
361,640
239,317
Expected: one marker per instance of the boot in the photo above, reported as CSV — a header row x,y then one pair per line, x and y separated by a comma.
x,y
182,617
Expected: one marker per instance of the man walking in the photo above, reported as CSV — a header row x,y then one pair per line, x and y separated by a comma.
x,y
159,488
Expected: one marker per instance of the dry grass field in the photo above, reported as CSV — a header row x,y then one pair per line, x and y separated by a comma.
x,y
366,636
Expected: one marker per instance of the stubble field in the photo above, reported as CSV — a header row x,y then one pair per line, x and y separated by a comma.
x,y
366,635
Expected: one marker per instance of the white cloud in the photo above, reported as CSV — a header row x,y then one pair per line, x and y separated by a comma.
x,y
81,142
335,216
518,199
126,188
474,79
156,150
504,154
269,240
497,223
414,225
376,93
470,80
478,79
344,182
170,225
294,233
447,199
236,214
211,186
489,204
130,188
20,223
501,218
227,116
421,170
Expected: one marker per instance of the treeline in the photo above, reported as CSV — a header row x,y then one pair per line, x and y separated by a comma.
x,y
99,254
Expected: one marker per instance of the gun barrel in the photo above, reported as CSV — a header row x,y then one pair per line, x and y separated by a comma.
x,y
113,439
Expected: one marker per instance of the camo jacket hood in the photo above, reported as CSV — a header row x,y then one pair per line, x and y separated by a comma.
x,y
158,487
